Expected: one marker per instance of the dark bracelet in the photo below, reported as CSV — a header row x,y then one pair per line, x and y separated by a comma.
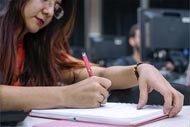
x,y
135,70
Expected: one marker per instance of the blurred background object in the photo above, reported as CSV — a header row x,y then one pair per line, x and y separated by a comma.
x,y
165,35
188,76
3,6
98,22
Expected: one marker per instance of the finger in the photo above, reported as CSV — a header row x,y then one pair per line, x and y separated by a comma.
x,y
172,105
168,96
178,99
101,92
167,101
104,92
105,101
106,83
143,97
100,98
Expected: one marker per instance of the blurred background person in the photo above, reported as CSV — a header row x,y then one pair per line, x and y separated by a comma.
x,y
134,42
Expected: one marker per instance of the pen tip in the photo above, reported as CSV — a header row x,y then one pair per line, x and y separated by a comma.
x,y
83,53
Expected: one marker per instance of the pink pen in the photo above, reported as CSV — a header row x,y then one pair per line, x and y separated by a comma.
x,y
89,70
87,64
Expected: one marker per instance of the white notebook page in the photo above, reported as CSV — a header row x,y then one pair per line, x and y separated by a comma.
x,y
114,113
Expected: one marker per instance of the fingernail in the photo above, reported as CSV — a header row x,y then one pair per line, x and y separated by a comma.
x,y
166,112
139,106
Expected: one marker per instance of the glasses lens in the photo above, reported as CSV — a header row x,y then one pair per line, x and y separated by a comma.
x,y
58,12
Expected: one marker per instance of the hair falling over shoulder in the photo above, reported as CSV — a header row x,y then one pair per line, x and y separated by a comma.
x,y
9,24
47,52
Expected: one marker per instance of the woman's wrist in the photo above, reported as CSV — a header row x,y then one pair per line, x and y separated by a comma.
x,y
68,96
136,71
64,96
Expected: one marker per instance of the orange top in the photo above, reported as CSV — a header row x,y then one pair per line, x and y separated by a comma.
x,y
19,63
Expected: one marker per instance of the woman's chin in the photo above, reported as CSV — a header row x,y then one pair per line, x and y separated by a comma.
x,y
33,30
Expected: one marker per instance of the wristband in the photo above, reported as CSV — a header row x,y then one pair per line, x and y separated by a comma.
x,y
135,70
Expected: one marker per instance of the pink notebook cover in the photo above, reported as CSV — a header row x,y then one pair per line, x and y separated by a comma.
x,y
67,123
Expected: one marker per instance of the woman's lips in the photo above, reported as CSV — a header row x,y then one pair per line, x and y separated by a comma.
x,y
40,21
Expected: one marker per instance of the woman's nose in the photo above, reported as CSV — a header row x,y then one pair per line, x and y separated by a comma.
x,y
49,9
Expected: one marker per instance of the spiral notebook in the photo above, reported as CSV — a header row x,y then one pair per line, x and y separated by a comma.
x,y
110,113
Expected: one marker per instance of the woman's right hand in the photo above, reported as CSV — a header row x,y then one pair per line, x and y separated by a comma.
x,y
88,93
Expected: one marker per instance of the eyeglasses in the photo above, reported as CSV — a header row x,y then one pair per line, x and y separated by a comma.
x,y
58,10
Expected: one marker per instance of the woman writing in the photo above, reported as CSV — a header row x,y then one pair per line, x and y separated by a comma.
x,y
38,72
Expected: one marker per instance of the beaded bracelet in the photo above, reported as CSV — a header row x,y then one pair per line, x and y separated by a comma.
x,y
135,70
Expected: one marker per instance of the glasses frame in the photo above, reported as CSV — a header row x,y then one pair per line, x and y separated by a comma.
x,y
59,8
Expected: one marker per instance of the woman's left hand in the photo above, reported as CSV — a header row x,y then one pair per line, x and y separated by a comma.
x,y
150,78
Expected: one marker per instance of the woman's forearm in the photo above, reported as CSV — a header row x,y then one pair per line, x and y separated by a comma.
x,y
122,77
27,98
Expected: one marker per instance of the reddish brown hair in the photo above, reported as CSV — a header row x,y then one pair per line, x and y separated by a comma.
x,y
47,51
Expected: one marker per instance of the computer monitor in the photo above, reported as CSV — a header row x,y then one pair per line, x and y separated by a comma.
x,y
163,29
107,47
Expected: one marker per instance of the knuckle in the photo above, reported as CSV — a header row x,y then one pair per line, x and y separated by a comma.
x,y
109,82
181,96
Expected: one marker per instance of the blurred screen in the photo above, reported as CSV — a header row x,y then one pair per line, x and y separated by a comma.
x,y
165,36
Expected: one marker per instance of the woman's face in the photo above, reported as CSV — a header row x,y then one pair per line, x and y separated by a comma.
x,y
38,14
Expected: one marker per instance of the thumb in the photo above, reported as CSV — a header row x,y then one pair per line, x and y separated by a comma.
x,y
143,97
